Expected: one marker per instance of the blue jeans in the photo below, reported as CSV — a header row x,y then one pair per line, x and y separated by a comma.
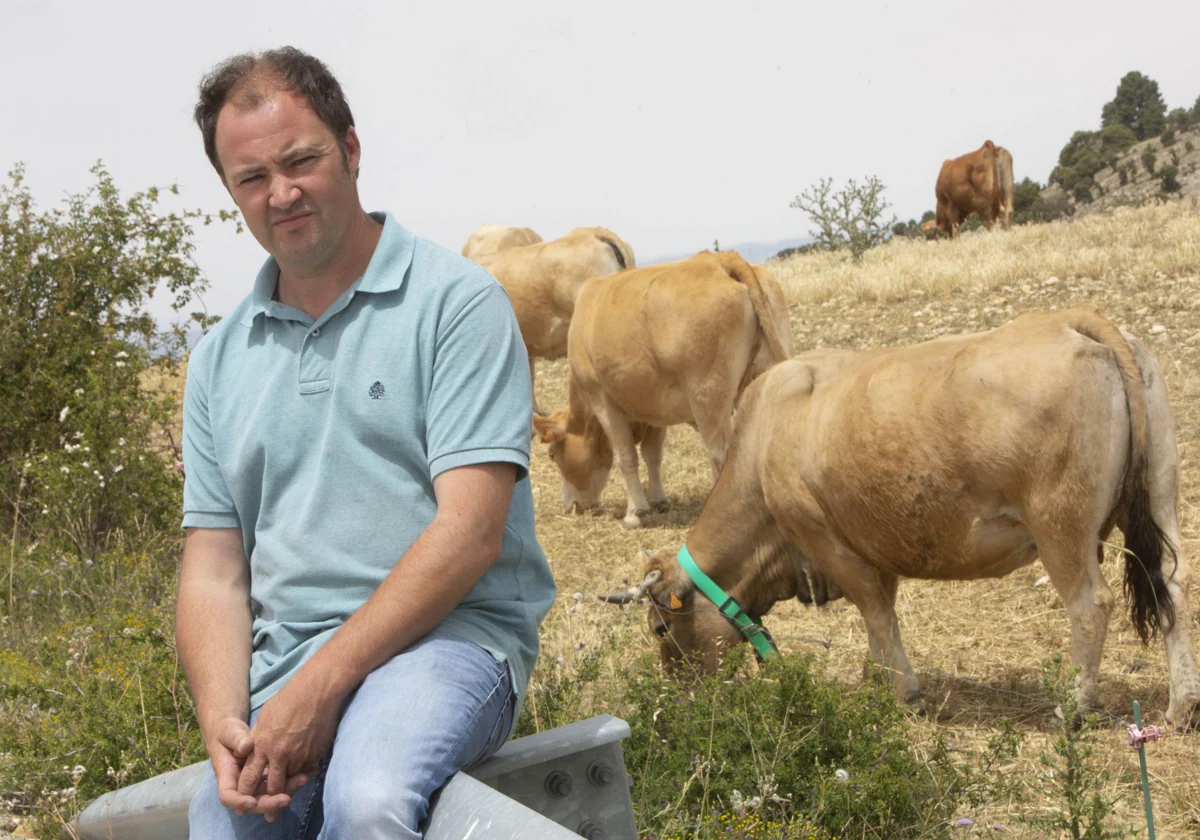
x,y
441,705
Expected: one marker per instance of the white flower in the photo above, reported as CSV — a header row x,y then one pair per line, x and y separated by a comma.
x,y
45,511
120,364
78,391
120,441
78,435
86,464
91,352
121,355
841,775
62,415
118,468
64,470
577,595
95,250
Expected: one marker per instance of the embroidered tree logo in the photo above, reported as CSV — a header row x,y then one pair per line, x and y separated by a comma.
x,y
376,390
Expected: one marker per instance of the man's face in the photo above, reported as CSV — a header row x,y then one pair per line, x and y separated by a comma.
x,y
289,179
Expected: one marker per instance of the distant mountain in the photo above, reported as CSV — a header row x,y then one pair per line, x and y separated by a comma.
x,y
754,252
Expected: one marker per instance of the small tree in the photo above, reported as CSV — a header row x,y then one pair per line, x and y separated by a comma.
x,y
852,218
1137,105
1168,137
1028,204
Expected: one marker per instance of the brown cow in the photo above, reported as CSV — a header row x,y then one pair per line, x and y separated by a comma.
x,y
489,239
667,344
970,184
543,279
957,459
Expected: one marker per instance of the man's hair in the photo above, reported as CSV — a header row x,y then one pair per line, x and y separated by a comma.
x,y
247,80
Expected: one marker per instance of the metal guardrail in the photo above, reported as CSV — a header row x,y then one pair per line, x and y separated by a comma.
x,y
558,784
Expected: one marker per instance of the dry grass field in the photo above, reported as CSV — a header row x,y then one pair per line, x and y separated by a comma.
x,y
977,645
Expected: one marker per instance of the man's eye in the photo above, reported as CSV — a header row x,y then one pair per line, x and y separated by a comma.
x,y
304,160
249,179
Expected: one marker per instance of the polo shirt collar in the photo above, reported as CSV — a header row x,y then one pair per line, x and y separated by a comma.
x,y
385,272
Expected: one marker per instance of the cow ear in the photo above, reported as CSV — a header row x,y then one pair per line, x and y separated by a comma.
x,y
547,429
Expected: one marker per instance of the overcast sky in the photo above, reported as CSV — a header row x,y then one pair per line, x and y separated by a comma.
x,y
672,123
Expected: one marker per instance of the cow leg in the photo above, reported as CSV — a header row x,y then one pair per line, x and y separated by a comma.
x,y
620,435
652,453
1162,479
1184,705
714,422
533,381
1075,572
873,591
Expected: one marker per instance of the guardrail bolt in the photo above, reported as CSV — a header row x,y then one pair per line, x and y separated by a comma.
x,y
601,773
591,831
558,784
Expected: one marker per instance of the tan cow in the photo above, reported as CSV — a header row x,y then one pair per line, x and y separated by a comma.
x,y
650,348
1003,209
490,239
543,279
972,183
957,459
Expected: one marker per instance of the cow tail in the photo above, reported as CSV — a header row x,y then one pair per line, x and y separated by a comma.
x,y
742,272
620,249
1146,546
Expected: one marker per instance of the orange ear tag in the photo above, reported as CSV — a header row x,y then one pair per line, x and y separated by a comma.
x,y
676,604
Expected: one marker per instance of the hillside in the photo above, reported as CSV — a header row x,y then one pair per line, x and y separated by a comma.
x,y
1140,186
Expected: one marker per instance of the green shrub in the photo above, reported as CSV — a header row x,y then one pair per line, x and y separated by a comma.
x,y
77,450
90,691
1149,158
1188,146
1168,177
1168,137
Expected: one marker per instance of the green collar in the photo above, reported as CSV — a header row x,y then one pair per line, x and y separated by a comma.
x,y
728,606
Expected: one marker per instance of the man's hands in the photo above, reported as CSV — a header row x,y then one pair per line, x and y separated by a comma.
x,y
294,729
232,744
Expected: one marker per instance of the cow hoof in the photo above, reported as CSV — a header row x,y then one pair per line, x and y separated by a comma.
x,y
660,505
634,520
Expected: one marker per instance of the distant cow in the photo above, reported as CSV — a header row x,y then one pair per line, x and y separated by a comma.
x,y
961,458
489,239
974,183
543,279
667,344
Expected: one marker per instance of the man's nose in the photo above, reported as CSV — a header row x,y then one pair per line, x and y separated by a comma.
x,y
284,192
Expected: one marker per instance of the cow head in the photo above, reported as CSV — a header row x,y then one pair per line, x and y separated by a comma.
x,y
693,637
584,458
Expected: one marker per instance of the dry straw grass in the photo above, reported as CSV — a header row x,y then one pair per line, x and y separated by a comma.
x,y
976,645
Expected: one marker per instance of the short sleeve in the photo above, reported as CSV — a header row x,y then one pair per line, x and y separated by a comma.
x,y
480,407
206,499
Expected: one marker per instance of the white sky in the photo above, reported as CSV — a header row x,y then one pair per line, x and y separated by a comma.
x,y
671,123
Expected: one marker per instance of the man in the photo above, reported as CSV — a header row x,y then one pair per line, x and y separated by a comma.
x,y
361,586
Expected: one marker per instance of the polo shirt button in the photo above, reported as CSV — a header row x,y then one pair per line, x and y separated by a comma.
x,y
316,331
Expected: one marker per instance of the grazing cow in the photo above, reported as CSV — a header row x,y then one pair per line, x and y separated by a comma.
x,y
957,459
1003,209
670,343
489,239
543,279
972,184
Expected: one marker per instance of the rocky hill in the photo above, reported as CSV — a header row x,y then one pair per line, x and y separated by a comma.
x,y
1127,182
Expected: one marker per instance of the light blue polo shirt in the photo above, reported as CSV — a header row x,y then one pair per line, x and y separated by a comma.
x,y
320,440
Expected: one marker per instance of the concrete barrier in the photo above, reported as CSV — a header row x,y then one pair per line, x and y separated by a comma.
x,y
562,783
